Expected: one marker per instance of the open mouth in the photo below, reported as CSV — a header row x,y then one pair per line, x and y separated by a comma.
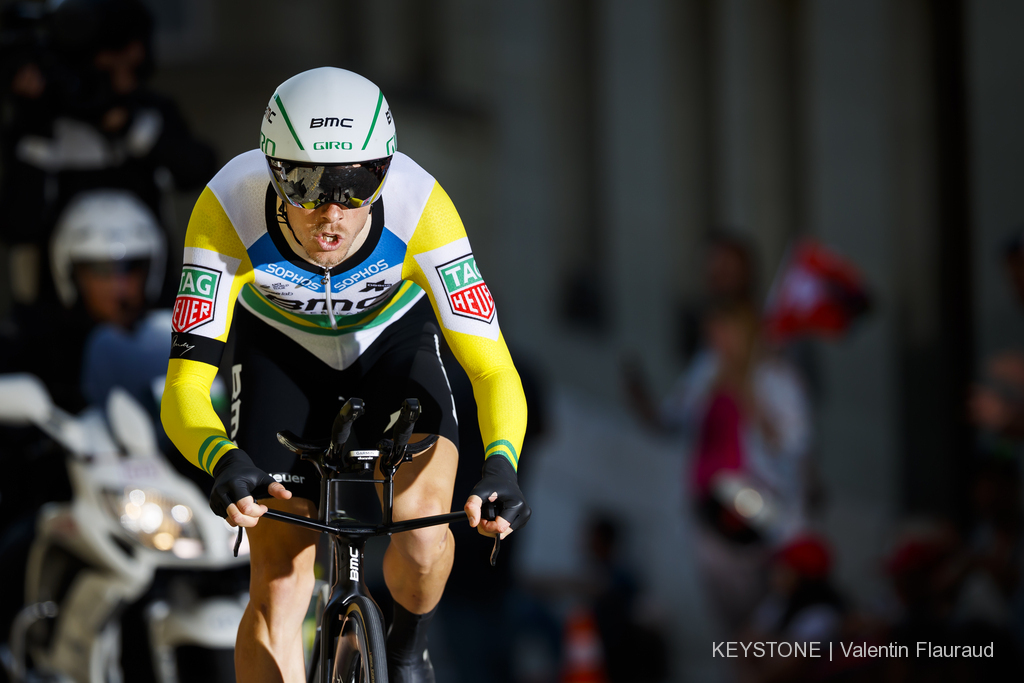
x,y
328,241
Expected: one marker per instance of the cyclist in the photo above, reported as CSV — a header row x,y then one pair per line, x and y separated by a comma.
x,y
339,260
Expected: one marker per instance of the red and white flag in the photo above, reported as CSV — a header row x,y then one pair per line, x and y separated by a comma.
x,y
816,293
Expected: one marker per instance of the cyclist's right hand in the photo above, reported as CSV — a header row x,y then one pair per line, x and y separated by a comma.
x,y
237,484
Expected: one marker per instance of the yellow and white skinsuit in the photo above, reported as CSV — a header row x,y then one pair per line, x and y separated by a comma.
x,y
235,251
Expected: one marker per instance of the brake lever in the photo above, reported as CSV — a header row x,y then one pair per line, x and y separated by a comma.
x,y
494,551
489,511
241,530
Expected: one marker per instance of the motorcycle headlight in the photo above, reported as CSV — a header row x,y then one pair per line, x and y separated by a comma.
x,y
155,521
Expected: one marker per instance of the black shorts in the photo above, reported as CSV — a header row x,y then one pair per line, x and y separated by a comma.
x,y
278,385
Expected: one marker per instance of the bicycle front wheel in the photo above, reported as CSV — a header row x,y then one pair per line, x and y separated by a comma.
x,y
359,650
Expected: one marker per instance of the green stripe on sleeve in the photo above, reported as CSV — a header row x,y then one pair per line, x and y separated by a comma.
x,y
215,451
202,451
209,449
509,451
504,454
373,124
280,105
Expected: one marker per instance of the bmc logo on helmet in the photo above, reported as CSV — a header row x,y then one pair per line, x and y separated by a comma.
x,y
329,121
332,144
467,292
197,298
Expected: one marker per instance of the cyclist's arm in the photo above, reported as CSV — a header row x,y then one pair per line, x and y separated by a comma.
x,y
216,266
439,244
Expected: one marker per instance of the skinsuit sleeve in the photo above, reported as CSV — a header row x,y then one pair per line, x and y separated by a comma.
x,y
440,260
216,267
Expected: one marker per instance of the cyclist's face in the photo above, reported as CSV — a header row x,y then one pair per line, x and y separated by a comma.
x,y
329,233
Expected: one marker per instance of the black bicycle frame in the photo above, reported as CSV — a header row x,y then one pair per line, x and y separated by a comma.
x,y
347,536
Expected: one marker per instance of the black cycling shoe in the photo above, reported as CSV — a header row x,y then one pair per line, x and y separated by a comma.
x,y
416,671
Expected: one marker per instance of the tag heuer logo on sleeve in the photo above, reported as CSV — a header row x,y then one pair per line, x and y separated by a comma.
x,y
197,296
467,292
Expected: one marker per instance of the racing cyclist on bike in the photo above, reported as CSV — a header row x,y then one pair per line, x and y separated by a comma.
x,y
339,261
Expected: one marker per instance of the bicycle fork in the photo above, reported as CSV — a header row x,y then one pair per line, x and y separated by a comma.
x,y
347,580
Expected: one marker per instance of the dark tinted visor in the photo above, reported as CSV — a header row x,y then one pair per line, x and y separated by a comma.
x,y
308,186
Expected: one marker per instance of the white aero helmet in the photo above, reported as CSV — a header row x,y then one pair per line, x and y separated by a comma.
x,y
107,227
329,137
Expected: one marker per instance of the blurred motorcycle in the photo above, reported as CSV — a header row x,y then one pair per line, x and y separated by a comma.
x,y
135,538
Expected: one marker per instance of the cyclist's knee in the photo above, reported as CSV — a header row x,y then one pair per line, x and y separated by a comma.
x,y
423,549
277,585
282,557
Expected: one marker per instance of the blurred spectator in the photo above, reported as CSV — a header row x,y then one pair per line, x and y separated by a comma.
x,y
729,276
997,402
748,421
80,116
107,258
802,606
996,405
954,593
729,268
634,651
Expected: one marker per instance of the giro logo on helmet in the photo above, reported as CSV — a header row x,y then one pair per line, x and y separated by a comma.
x,y
328,121
197,297
267,146
332,144
467,292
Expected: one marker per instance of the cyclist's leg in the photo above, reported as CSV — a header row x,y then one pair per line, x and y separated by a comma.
x,y
277,386
417,563
269,642
408,365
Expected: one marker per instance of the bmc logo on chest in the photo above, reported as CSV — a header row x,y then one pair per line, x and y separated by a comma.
x,y
197,298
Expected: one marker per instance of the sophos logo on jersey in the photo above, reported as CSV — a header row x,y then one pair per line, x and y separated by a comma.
x,y
467,292
197,298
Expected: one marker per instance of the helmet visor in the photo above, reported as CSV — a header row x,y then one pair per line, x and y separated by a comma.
x,y
308,186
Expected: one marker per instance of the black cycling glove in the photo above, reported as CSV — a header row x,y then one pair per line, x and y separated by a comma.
x,y
500,477
235,477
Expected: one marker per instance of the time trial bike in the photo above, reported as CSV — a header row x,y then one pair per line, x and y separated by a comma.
x,y
349,644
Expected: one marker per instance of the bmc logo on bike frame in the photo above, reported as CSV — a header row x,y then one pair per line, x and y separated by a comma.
x,y
467,292
353,564
197,298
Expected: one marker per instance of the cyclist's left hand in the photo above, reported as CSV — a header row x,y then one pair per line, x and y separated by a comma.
x,y
500,486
